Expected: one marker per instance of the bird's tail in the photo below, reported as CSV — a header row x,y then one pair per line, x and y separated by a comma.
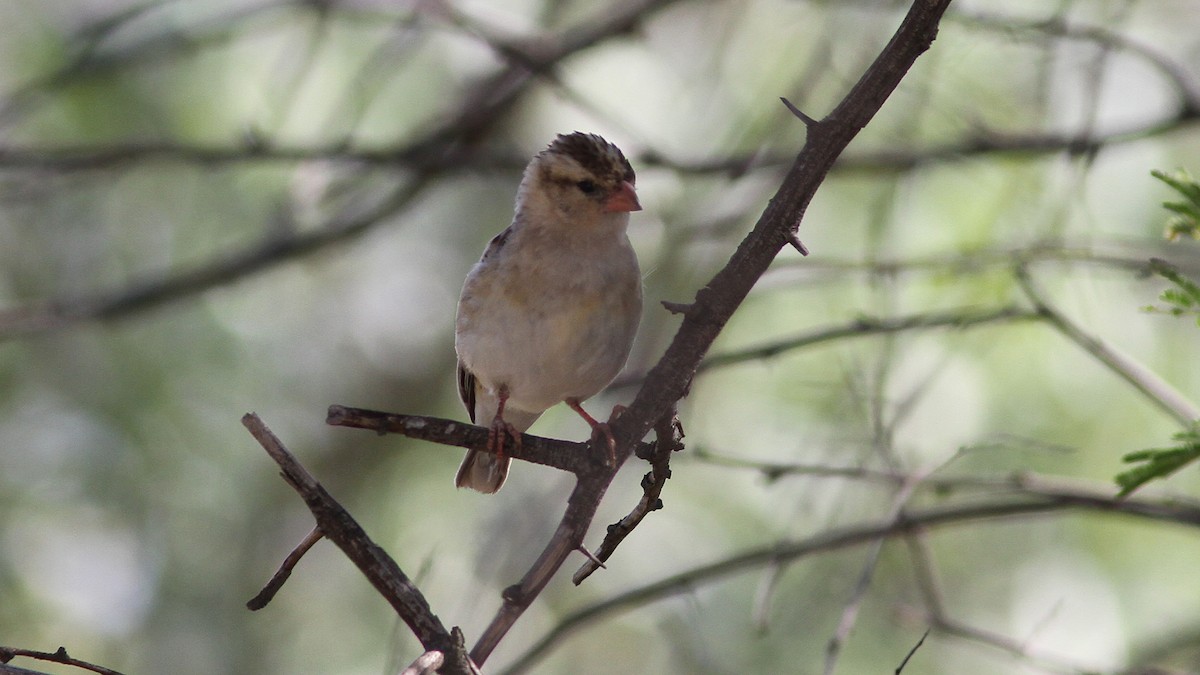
x,y
482,472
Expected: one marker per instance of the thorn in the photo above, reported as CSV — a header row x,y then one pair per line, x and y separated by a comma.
x,y
676,307
794,240
808,121
582,549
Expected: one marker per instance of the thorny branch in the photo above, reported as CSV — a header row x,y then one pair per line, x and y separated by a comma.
x,y
669,380
668,440
337,525
450,147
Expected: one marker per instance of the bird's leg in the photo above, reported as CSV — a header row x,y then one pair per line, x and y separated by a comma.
x,y
500,428
601,427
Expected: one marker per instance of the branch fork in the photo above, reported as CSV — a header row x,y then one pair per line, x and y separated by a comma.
x,y
653,407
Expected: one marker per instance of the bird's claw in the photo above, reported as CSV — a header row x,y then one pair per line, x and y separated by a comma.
x,y
496,434
602,429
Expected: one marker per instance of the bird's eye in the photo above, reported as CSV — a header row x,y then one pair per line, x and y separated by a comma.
x,y
587,187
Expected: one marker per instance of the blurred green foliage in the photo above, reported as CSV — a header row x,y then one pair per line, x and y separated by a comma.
x,y
144,142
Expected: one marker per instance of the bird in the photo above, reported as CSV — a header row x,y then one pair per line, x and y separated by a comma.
x,y
549,313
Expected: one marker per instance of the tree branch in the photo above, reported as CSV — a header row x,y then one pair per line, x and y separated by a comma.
x,y
60,657
1143,379
668,435
569,456
337,525
1043,500
670,379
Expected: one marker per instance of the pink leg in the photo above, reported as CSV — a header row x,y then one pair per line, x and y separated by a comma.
x,y
601,427
500,428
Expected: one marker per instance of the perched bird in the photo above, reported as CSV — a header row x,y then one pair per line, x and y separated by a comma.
x,y
549,312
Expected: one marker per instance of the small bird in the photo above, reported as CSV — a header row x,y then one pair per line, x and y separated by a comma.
x,y
549,312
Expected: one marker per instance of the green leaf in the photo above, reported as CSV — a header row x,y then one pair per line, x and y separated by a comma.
x,y
1187,221
1184,298
1158,463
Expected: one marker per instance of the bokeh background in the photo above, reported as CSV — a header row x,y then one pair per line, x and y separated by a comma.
x,y
209,208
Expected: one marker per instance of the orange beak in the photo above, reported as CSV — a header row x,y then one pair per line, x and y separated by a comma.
x,y
623,199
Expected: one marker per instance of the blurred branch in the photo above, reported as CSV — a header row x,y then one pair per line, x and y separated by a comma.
x,y
1042,499
849,616
938,617
153,291
6,669
866,326
1144,380
337,525
449,142
60,657
888,160
861,327
255,150
1058,27
1132,256
92,59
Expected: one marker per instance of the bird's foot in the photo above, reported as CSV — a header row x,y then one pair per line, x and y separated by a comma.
x,y
497,432
599,429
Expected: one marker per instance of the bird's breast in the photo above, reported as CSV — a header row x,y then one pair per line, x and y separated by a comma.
x,y
550,331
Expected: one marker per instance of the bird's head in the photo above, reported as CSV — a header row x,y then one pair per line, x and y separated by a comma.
x,y
578,180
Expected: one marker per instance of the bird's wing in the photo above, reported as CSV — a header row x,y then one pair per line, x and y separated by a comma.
x,y
496,243
466,389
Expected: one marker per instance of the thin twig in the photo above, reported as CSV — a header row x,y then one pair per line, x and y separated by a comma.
x,y
850,611
158,289
1177,73
60,657
861,327
1157,390
794,240
1042,503
909,655
281,575
668,433
380,569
